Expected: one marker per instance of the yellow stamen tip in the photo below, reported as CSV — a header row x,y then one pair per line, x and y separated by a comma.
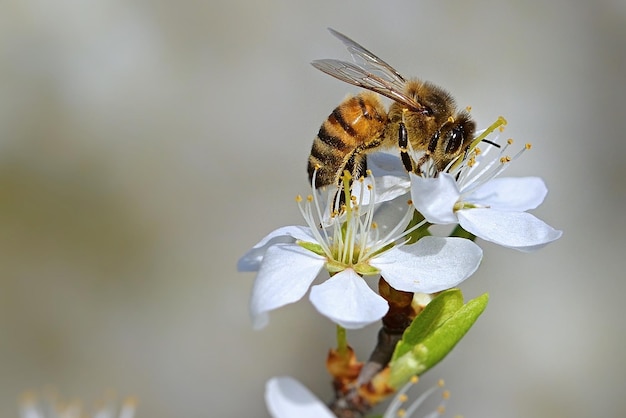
x,y
403,397
451,119
445,394
441,410
414,379
509,141
528,146
309,198
298,199
401,412
468,108
505,159
441,383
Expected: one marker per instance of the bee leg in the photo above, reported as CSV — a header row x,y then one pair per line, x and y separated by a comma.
x,y
403,143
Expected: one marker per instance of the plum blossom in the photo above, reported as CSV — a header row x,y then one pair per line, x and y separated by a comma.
x,y
491,208
285,397
351,244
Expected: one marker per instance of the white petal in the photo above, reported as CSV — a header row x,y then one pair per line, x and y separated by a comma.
x,y
516,194
348,301
285,275
435,197
386,164
519,230
391,214
287,234
430,265
285,397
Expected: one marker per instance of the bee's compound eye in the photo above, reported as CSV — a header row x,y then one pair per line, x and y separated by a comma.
x,y
455,139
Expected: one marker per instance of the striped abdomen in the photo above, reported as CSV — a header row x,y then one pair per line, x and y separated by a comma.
x,y
354,127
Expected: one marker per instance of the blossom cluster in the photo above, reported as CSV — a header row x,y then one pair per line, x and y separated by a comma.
x,y
372,236
378,227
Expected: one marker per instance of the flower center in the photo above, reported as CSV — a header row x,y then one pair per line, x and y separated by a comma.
x,y
344,229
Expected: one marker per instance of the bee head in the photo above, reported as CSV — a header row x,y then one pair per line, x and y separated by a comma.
x,y
456,134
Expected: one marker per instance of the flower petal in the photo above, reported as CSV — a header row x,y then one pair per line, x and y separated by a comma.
x,y
286,273
515,194
348,301
430,265
287,234
519,230
435,197
285,397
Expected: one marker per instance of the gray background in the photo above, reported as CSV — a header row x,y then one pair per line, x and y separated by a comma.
x,y
144,146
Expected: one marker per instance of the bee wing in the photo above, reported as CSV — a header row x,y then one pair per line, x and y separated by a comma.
x,y
366,59
356,75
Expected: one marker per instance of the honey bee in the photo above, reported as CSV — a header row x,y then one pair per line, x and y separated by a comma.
x,y
422,120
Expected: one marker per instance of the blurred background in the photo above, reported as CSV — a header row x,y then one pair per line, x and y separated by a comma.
x,y
145,146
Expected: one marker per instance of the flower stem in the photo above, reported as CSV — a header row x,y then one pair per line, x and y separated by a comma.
x,y
342,341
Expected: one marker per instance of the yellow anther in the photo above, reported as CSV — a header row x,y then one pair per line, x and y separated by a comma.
x,y
441,409
468,108
403,397
509,141
505,159
309,198
401,412
414,379
528,146
298,199
370,187
441,383
502,120
317,166
368,172
374,225
451,119
445,394
410,202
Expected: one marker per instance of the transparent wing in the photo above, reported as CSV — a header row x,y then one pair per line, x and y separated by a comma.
x,y
368,72
367,59
358,76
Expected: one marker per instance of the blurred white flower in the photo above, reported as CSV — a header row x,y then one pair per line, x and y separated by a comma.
x,y
491,208
285,397
350,246
50,406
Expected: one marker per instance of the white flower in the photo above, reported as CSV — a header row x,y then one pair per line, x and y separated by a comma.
x,y
52,407
285,397
491,208
352,245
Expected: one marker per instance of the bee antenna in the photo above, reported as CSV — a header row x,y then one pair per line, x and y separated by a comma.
x,y
491,143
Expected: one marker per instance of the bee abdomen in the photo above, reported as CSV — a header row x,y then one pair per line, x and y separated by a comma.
x,y
353,127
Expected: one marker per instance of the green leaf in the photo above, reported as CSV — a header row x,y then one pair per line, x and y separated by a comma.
x,y
427,341
436,312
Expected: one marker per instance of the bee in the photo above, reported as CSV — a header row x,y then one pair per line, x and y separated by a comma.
x,y
422,121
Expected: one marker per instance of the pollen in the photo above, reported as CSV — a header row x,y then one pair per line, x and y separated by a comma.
x,y
468,108
409,202
528,145
298,199
309,198
451,119
505,159
509,141
374,225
